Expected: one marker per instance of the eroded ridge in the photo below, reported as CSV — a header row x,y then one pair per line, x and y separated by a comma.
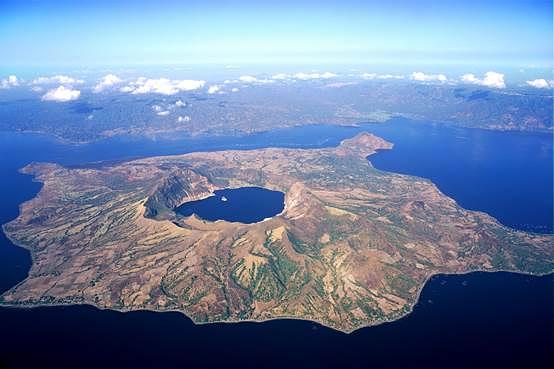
x,y
352,248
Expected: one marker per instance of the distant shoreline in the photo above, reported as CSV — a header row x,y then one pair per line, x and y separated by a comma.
x,y
166,135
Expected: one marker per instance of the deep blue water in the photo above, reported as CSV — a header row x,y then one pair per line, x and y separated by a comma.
x,y
497,320
476,320
506,174
244,204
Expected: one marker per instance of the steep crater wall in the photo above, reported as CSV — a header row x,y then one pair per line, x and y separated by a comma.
x,y
179,186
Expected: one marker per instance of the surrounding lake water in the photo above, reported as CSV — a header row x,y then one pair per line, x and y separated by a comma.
x,y
474,320
506,174
244,204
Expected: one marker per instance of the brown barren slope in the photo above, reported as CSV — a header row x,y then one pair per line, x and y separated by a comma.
x,y
353,247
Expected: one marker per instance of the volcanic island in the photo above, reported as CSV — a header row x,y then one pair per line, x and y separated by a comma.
x,y
353,246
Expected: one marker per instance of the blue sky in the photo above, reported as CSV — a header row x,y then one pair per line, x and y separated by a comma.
x,y
85,33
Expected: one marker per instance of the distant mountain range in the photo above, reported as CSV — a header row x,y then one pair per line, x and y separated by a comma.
x,y
264,107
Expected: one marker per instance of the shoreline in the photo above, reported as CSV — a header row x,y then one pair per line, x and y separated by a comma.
x,y
260,321
149,135
410,306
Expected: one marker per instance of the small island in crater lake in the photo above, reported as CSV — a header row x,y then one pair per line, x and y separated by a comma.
x,y
352,247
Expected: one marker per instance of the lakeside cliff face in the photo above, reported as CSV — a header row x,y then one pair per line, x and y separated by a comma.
x,y
177,187
352,248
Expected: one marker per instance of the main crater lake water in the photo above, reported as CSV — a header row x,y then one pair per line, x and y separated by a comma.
x,y
467,321
244,205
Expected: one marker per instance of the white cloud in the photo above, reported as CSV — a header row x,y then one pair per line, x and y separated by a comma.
x,y
369,75
234,89
248,79
422,77
470,78
307,76
163,86
213,89
390,76
280,76
189,84
185,118
252,79
540,83
37,89
302,76
61,94
159,110
491,79
180,104
61,79
494,79
327,75
11,81
107,81
381,76
160,86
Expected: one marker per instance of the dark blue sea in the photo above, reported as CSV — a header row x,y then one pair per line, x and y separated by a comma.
x,y
476,320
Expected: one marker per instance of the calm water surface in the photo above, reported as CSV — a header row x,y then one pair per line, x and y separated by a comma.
x,y
244,204
475,320
506,174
